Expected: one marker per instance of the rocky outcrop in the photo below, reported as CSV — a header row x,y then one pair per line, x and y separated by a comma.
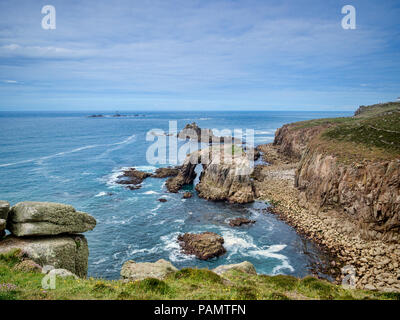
x,y
239,221
166,172
292,139
245,266
132,270
222,178
4,209
2,228
204,245
28,265
187,195
133,178
46,218
62,273
65,251
194,132
368,192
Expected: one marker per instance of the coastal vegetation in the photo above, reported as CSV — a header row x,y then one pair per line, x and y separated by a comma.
x,y
184,284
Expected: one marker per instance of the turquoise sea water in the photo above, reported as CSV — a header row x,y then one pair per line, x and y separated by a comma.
x,y
70,158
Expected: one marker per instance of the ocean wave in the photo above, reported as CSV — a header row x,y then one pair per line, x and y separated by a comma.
x,y
101,194
40,160
171,245
150,192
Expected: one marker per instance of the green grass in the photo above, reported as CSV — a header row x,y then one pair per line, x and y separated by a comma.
x,y
373,134
187,283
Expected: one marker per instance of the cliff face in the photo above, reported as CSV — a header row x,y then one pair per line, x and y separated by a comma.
x,y
369,192
351,165
293,141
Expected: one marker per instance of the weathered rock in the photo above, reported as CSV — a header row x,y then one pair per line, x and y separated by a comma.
x,y
132,270
28,266
245,266
162,200
194,132
204,245
239,221
166,172
368,193
224,177
187,195
4,209
46,218
63,251
62,273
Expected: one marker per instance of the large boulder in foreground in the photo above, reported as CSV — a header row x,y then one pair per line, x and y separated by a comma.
x,y
68,252
132,270
204,245
245,266
2,228
47,218
4,209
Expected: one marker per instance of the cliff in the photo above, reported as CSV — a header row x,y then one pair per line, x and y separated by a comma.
x,y
351,165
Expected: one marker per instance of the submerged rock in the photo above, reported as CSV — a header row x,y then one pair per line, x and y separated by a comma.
x,y
133,178
239,221
66,251
47,218
132,270
187,195
4,209
204,245
162,200
245,266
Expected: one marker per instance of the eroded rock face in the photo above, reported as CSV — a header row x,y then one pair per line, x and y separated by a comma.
x,y
245,266
220,180
132,270
62,252
193,132
47,218
4,209
367,192
239,221
293,142
204,245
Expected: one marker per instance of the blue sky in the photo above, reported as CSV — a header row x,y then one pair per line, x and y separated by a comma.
x,y
198,55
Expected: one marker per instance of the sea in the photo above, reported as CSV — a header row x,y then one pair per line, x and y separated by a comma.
x,y
72,158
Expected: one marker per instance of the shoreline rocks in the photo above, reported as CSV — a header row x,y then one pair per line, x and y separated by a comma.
x,y
4,209
47,218
133,178
132,270
240,221
187,195
204,245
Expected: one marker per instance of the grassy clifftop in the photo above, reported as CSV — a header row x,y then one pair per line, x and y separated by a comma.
x,y
373,133
193,284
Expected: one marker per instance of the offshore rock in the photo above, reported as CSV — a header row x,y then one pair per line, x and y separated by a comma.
x,y
204,245
239,221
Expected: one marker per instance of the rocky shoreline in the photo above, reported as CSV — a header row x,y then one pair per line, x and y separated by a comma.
x,y
374,262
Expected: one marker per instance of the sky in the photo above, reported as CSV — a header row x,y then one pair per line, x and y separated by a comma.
x,y
198,55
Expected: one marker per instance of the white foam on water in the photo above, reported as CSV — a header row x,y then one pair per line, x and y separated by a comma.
x,y
150,192
101,194
40,160
171,245
101,260
272,252
118,220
